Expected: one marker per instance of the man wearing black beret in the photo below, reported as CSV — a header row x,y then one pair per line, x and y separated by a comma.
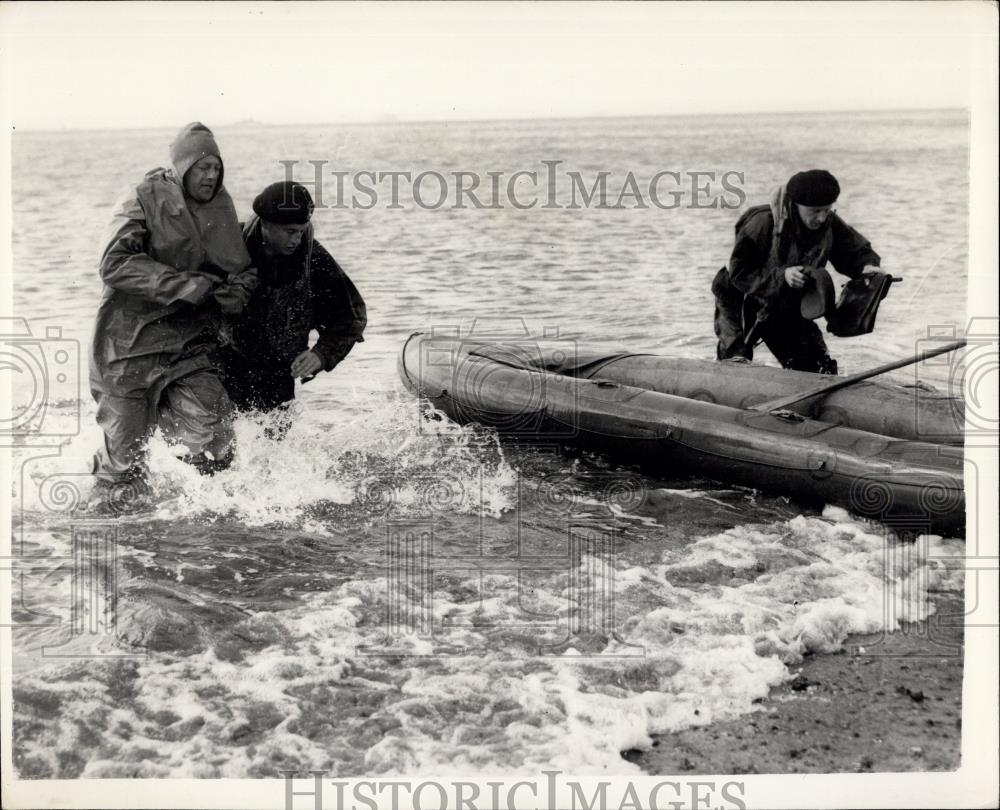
x,y
301,288
781,250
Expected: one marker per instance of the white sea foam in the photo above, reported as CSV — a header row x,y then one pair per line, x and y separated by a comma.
x,y
715,644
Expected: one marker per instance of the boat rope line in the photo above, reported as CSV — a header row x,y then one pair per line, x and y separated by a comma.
x,y
835,385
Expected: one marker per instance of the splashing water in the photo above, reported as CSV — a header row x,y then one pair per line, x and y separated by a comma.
x,y
288,468
387,456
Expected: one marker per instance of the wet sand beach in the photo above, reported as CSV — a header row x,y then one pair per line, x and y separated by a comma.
x,y
885,703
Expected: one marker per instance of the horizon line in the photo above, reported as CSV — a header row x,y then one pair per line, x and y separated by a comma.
x,y
388,119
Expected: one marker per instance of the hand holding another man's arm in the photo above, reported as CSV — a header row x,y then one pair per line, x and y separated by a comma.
x,y
233,294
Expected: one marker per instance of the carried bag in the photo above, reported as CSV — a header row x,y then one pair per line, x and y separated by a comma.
x,y
858,304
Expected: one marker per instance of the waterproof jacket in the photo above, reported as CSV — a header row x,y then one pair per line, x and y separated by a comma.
x,y
305,291
169,265
770,238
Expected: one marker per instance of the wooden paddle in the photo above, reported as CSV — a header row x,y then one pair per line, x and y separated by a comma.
x,y
836,384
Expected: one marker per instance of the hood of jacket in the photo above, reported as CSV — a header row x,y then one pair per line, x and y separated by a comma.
x,y
192,143
781,208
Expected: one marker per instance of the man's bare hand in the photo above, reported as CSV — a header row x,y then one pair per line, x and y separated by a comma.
x,y
795,277
306,364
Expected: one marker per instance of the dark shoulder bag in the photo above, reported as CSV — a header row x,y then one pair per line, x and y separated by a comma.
x,y
858,304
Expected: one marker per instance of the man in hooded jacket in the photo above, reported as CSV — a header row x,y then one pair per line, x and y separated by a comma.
x,y
302,288
758,296
173,262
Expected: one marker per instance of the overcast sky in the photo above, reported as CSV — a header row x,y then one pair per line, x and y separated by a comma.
x,y
117,65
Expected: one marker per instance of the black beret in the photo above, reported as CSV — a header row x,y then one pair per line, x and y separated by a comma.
x,y
815,187
284,203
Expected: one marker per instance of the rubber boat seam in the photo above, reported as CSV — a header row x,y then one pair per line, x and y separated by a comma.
x,y
535,370
670,437
615,359
591,379
821,431
530,369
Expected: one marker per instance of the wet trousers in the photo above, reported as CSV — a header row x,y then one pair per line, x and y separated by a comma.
x,y
193,410
795,342
254,384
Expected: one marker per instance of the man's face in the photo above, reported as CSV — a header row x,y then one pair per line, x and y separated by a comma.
x,y
283,240
814,217
202,178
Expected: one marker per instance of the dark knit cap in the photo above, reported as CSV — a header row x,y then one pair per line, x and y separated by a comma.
x,y
284,203
815,187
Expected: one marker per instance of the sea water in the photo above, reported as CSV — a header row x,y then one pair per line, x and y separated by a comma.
x,y
384,592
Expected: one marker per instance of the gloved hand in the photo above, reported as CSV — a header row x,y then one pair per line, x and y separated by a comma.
x,y
234,293
197,289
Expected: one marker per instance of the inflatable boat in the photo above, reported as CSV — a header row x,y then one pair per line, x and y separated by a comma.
x,y
885,452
